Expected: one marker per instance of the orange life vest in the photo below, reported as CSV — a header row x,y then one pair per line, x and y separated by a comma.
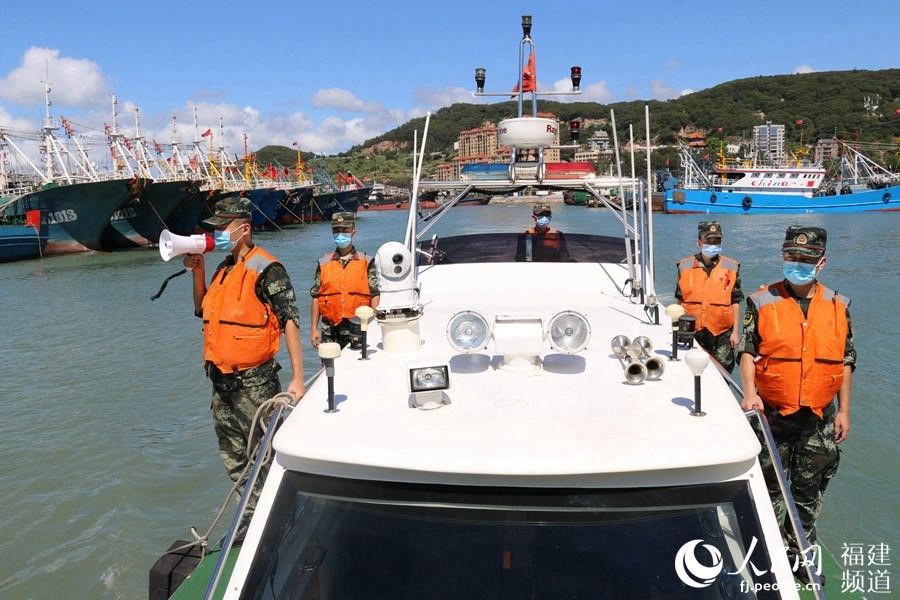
x,y
239,330
547,239
801,359
707,298
342,288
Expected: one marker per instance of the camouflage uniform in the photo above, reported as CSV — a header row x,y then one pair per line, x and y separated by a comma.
x,y
236,397
805,442
346,331
718,346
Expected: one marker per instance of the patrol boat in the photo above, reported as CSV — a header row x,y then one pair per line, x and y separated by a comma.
x,y
511,428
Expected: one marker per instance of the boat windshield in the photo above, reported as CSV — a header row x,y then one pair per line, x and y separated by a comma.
x,y
522,247
330,538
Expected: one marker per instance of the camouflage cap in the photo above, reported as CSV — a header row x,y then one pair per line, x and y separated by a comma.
x,y
805,241
708,229
228,209
343,219
541,209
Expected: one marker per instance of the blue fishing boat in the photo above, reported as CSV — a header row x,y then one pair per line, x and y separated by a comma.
x,y
862,185
24,239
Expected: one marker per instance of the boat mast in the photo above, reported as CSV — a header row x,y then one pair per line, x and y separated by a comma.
x,y
50,145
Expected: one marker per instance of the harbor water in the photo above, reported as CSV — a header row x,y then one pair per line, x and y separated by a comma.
x,y
106,439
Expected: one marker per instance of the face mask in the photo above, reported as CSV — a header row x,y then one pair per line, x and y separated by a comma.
x,y
799,273
342,240
711,250
223,240
543,221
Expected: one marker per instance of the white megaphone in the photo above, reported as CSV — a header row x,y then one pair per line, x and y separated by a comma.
x,y
171,245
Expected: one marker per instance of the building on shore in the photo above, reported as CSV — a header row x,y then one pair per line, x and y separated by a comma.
x,y
768,143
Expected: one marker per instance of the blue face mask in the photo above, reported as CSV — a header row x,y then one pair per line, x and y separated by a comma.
x,y
543,221
799,273
711,250
223,241
342,240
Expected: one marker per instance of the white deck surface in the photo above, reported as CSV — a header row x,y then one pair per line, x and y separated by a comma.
x,y
574,423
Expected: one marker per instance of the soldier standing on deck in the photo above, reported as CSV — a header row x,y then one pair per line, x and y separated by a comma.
x,y
796,354
249,303
709,289
345,280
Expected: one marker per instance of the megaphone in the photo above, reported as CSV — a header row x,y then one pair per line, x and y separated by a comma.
x,y
172,245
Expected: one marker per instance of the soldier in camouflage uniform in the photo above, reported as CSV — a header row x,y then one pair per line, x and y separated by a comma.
x,y
345,279
796,353
709,289
243,370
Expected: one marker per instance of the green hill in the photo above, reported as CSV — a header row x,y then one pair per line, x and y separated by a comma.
x,y
853,105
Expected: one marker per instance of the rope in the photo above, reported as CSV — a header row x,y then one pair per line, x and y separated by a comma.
x,y
266,405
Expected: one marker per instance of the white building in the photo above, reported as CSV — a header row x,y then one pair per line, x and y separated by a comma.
x,y
768,142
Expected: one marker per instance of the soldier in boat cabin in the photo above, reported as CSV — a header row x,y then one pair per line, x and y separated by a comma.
x,y
709,289
796,354
245,309
542,243
345,280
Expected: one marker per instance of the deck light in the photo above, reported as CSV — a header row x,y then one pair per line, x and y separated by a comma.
x,y
526,25
696,361
364,314
427,381
575,129
467,331
575,75
328,351
480,76
674,311
569,332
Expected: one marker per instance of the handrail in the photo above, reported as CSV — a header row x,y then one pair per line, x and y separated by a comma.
x,y
784,488
261,451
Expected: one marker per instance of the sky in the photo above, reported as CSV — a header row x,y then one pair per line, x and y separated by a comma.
x,y
330,75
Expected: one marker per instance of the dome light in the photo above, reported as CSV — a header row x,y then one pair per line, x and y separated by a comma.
x,y
467,331
569,332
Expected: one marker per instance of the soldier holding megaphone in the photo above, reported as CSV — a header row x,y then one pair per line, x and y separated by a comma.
x,y
247,305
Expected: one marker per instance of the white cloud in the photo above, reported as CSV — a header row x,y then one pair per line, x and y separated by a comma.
x,y
434,98
75,82
661,91
341,99
803,69
592,92
685,92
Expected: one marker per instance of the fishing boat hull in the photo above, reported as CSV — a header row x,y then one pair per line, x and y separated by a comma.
x,y
322,206
185,217
265,202
290,209
22,241
716,201
76,214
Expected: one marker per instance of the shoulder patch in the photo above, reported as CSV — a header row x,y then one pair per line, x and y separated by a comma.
x,y
748,318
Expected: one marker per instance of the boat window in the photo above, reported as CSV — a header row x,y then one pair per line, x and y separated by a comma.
x,y
522,247
337,539
781,176
794,175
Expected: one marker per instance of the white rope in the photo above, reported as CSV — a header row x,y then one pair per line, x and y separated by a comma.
x,y
263,408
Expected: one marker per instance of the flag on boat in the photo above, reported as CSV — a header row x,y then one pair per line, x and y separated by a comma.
x,y
799,122
529,76
206,133
33,219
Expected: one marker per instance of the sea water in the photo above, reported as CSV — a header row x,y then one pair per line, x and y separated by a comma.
x,y
106,442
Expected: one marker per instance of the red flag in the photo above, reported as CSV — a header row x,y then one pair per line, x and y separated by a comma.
x,y
529,76
206,133
799,122
897,111
33,219
719,130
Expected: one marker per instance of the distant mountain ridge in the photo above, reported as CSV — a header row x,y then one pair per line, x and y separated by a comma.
x,y
850,104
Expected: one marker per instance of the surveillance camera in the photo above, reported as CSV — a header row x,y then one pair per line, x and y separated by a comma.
x,y
396,281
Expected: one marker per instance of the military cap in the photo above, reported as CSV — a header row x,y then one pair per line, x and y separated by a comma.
x,y
343,219
805,241
228,209
541,209
707,229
